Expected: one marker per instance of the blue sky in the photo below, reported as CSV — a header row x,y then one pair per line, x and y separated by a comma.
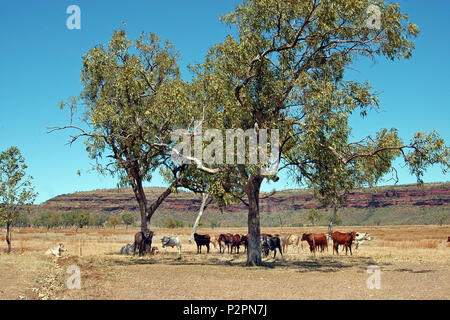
x,y
40,65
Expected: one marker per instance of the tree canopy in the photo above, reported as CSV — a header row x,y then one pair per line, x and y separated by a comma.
x,y
281,71
284,68
132,98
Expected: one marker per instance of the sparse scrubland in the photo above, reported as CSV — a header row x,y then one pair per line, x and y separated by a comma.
x,y
414,263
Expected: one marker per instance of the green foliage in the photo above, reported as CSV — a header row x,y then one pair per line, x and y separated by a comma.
x,y
47,219
82,218
173,223
284,70
128,219
22,220
133,96
16,191
336,220
98,220
315,216
69,218
113,221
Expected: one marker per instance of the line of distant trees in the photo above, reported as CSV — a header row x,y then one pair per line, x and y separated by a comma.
x,y
69,219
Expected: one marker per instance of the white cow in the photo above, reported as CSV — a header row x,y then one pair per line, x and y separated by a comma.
x,y
56,251
360,238
290,239
171,242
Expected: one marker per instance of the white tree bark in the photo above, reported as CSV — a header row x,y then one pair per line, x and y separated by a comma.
x,y
206,199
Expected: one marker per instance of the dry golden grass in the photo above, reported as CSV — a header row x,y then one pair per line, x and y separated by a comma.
x,y
406,254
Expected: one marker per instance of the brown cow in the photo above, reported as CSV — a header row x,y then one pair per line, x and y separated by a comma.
x,y
235,243
316,241
448,240
202,240
143,242
224,240
345,239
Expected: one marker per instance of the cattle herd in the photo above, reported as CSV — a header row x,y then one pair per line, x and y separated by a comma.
x,y
269,242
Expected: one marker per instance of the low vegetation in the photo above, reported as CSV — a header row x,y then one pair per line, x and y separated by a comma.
x,y
407,255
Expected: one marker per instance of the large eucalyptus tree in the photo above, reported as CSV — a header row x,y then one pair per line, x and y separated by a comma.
x,y
284,68
132,93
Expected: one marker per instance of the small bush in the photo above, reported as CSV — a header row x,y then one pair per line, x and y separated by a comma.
x,y
173,223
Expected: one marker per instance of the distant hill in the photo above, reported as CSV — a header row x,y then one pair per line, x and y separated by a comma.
x,y
404,204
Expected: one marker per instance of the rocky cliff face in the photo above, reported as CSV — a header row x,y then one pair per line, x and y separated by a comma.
x,y
290,200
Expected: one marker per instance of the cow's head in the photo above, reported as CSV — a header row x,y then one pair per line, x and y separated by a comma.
x,y
148,234
362,236
61,247
305,237
165,240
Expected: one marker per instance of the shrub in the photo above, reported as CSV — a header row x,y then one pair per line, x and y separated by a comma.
x,y
173,223
128,219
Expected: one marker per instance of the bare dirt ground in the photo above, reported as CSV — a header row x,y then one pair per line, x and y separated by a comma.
x,y
414,263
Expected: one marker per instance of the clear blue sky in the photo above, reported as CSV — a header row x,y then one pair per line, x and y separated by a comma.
x,y
40,63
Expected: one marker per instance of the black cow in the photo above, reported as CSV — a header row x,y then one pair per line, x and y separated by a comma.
x,y
142,242
271,243
244,241
202,240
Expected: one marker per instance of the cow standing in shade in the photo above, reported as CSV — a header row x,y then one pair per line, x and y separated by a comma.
x,y
244,241
235,243
271,243
225,240
143,242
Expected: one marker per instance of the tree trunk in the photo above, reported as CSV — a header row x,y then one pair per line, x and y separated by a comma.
x,y
254,227
151,210
142,201
332,220
8,236
206,199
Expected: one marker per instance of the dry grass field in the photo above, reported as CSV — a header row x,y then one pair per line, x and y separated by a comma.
x,y
414,262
